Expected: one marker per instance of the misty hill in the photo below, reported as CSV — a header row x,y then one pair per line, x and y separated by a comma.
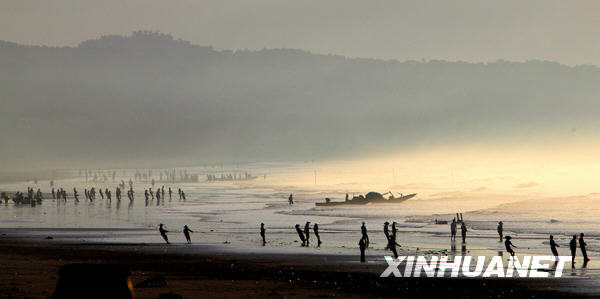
x,y
150,98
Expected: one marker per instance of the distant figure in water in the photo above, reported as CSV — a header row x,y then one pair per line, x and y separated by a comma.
x,y
582,245
508,244
393,244
170,192
386,232
553,246
262,233
163,233
463,231
186,233
346,196
500,230
453,230
291,200
316,231
307,232
301,234
362,244
365,236
573,246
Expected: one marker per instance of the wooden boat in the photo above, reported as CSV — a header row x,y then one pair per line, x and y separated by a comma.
x,y
371,197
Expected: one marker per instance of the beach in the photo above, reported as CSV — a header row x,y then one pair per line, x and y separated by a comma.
x,y
30,266
227,259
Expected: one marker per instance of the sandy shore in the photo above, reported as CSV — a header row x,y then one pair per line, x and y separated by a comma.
x,y
29,267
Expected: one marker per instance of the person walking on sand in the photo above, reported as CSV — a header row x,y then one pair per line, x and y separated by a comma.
x,y
463,231
573,246
582,245
307,232
509,245
291,200
386,232
362,244
553,246
163,233
262,233
500,230
393,244
316,231
301,234
453,230
363,230
186,233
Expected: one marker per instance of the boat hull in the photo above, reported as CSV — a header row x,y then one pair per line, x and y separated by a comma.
x,y
365,201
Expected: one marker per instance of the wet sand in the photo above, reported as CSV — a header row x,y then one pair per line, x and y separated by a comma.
x,y
30,265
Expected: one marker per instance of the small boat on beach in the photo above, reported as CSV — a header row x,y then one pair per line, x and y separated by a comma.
x,y
371,197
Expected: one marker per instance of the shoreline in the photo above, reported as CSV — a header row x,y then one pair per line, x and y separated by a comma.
x,y
192,270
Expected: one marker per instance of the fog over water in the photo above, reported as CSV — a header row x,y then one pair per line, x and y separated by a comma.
x,y
149,99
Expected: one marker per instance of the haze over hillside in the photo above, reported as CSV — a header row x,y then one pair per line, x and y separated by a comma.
x,y
150,99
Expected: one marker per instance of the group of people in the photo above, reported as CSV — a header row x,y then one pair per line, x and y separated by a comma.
x,y
304,235
509,245
32,197
463,230
186,232
391,237
35,197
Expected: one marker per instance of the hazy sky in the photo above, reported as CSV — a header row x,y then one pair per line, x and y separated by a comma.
x,y
565,31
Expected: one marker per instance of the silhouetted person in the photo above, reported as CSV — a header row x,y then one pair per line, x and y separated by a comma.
x,y
362,244
582,245
573,246
463,231
386,232
500,230
186,233
170,192
363,230
291,200
163,233
394,230
346,196
553,246
307,232
453,229
509,245
316,231
262,233
393,244
301,234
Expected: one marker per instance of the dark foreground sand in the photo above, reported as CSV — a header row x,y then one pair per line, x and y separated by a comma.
x,y
29,267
